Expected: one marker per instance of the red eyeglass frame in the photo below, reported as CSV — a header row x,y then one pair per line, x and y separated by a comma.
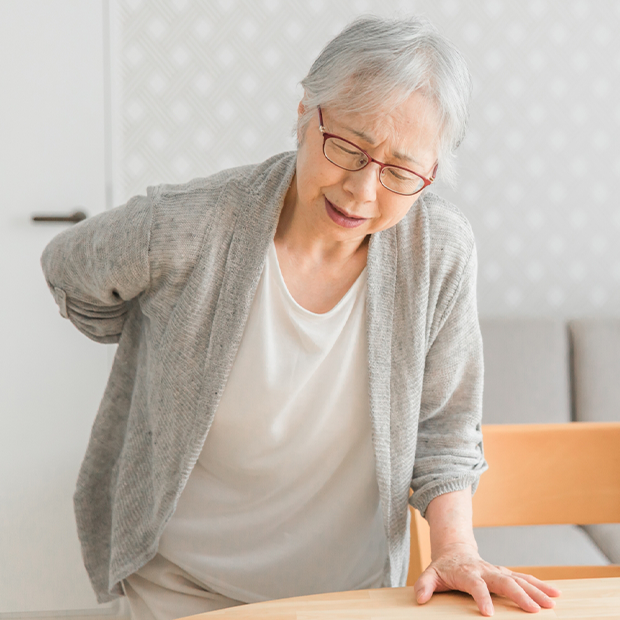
x,y
327,135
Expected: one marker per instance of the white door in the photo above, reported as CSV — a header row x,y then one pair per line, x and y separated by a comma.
x,y
52,161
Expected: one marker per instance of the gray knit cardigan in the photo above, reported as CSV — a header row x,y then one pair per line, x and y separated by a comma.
x,y
170,277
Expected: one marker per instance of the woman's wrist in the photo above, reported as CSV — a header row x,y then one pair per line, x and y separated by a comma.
x,y
450,520
454,549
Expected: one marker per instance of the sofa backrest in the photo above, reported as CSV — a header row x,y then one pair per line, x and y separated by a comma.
x,y
595,345
527,376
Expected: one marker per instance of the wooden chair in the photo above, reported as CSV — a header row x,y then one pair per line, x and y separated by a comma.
x,y
541,474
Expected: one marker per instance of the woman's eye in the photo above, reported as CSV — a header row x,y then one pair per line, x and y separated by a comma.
x,y
397,175
348,151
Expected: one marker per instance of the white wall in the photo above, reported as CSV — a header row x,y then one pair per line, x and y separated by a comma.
x,y
204,85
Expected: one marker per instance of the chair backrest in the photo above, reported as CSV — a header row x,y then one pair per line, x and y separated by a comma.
x,y
540,474
550,474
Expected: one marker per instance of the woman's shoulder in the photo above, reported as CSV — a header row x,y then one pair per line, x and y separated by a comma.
x,y
446,246
203,192
208,190
445,242
214,201
447,225
188,217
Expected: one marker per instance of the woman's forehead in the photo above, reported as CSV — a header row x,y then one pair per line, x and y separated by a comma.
x,y
412,125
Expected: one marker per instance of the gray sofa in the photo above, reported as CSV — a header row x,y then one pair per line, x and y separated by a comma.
x,y
551,371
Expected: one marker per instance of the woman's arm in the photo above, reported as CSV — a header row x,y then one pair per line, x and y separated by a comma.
x,y
449,458
456,564
96,267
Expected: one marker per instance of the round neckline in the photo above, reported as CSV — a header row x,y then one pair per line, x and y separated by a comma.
x,y
341,302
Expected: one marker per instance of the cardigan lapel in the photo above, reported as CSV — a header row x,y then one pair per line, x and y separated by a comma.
x,y
258,209
381,264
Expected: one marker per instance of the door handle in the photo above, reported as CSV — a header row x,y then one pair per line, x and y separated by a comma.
x,y
74,218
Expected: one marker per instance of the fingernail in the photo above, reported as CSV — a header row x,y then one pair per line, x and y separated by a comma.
x,y
420,595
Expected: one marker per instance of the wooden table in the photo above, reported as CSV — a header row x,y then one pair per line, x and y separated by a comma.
x,y
581,599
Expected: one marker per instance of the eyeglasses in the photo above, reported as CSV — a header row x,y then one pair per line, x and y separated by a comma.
x,y
344,154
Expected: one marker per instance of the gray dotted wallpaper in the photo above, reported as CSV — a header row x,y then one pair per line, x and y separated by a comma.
x,y
201,85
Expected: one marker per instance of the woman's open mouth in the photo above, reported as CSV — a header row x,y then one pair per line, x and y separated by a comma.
x,y
340,218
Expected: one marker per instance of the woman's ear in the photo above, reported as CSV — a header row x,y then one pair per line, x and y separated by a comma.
x,y
300,111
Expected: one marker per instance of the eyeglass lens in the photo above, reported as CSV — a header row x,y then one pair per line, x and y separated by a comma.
x,y
348,157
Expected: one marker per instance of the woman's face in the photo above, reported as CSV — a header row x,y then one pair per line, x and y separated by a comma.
x,y
407,137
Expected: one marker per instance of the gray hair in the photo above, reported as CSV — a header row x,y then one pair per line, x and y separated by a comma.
x,y
391,59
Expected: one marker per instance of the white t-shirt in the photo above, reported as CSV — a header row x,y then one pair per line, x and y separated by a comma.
x,y
283,500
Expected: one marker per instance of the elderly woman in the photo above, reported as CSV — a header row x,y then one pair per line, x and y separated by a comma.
x,y
298,347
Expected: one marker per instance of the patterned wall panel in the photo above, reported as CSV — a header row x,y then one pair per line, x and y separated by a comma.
x,y
207,84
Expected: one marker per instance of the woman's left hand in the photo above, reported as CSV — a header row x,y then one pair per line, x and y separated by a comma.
x,y
459,567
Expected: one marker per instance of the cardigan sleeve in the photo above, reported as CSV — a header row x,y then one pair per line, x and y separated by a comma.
x,y
449,454
95,268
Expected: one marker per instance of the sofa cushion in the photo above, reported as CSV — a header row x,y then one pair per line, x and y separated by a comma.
x,y
607,537
538,545
595,347
526,371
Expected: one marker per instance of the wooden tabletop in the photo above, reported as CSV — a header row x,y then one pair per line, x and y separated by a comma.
x,y
581,599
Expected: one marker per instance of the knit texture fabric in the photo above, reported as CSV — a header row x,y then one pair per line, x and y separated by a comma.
x,y
171,276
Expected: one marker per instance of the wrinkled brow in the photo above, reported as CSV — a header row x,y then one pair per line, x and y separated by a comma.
x,y
371,141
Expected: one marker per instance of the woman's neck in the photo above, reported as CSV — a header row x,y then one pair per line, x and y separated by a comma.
x,y
312,247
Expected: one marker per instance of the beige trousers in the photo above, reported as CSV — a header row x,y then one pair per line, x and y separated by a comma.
x,y
160,590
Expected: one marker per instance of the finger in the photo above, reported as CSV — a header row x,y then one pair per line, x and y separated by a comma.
x,y
479,590
534,593
547,588
425,586
505,585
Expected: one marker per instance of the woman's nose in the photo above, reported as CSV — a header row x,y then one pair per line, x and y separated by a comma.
x,y
363,183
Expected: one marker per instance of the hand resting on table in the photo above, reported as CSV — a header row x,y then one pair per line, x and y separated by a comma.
x,y
459,567
456,564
